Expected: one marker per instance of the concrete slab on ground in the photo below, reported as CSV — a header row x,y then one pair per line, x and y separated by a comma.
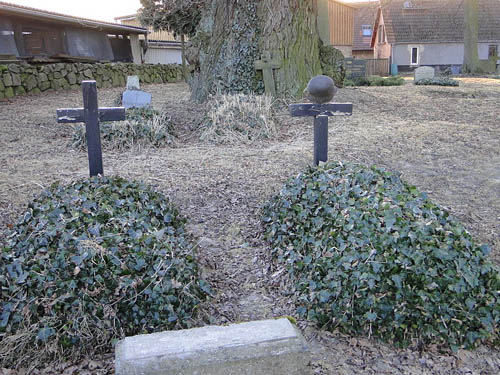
x,y
265,347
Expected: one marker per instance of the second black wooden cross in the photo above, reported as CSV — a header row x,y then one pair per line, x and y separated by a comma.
x,y
320,90
321,112
91,114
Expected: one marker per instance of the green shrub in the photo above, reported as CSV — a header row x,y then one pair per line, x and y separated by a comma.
x,y
91,262
437,81
238,118
143,126
332,64
370,254
375,81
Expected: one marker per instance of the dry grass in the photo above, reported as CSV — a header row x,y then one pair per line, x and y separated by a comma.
x,y
238,118
444,140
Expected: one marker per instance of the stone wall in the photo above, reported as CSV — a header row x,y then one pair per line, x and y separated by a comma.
x,y
19,79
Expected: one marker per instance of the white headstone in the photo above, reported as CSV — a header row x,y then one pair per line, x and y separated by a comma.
x,y
133,83
424,72
136,99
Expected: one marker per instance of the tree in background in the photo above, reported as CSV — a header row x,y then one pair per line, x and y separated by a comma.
x,y
232,35
471,58
179,17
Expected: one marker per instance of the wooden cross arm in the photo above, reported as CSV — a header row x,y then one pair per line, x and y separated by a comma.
x,y
72,115
267,64
326,109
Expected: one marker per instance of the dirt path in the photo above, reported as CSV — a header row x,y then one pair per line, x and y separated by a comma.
x,y
444,140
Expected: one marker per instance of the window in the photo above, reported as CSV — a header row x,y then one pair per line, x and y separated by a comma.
x,y
367,30
492,50
381,34
414,56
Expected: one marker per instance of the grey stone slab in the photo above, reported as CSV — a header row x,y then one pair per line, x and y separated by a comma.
x,y
136,98
266,347
424,72
133,83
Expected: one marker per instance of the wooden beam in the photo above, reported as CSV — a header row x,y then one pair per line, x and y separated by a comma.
x,y
326,109
73,115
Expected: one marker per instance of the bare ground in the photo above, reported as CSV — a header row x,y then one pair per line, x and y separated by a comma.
x,y
444,140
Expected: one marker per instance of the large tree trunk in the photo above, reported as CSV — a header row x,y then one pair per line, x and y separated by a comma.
x,y
233,34
471,59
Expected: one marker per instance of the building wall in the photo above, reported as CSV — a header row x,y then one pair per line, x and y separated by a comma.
x,y
88,43
346,50
152,35
436,53
335,23
163,55
7,41
341,23
363,54
381,48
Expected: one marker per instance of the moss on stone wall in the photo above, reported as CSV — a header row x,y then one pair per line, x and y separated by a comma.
x,y
20,79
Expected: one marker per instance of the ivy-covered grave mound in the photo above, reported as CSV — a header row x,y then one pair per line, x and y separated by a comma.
x,y
437,81
91,262
146,127
369,254
375,81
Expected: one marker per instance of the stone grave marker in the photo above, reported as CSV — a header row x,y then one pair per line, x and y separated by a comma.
x,y
424,72
133,97
355,67
266,64
320,90
266,347
91,115
133,83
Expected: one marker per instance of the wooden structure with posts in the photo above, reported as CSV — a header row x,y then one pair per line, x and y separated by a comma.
x,y
35,35
336,24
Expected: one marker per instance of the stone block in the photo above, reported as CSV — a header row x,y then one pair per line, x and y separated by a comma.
x,y
424,72
16,79
71,78
7,79
45,85
267,347
31,82
14,68
9,92
2,86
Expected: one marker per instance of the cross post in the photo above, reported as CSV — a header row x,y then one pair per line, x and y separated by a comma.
x,y
266,64
320,112
91,115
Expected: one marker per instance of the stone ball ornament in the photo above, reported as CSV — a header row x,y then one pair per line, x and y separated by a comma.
x,y
320,89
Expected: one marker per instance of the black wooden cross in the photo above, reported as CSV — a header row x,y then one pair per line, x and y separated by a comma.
x,y
91,114
319,88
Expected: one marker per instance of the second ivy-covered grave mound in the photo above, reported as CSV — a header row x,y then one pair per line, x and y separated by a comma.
x,y
143,126
370,254
91,262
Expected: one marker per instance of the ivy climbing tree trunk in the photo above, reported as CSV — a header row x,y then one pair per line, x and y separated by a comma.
x,y
471,58
233,34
